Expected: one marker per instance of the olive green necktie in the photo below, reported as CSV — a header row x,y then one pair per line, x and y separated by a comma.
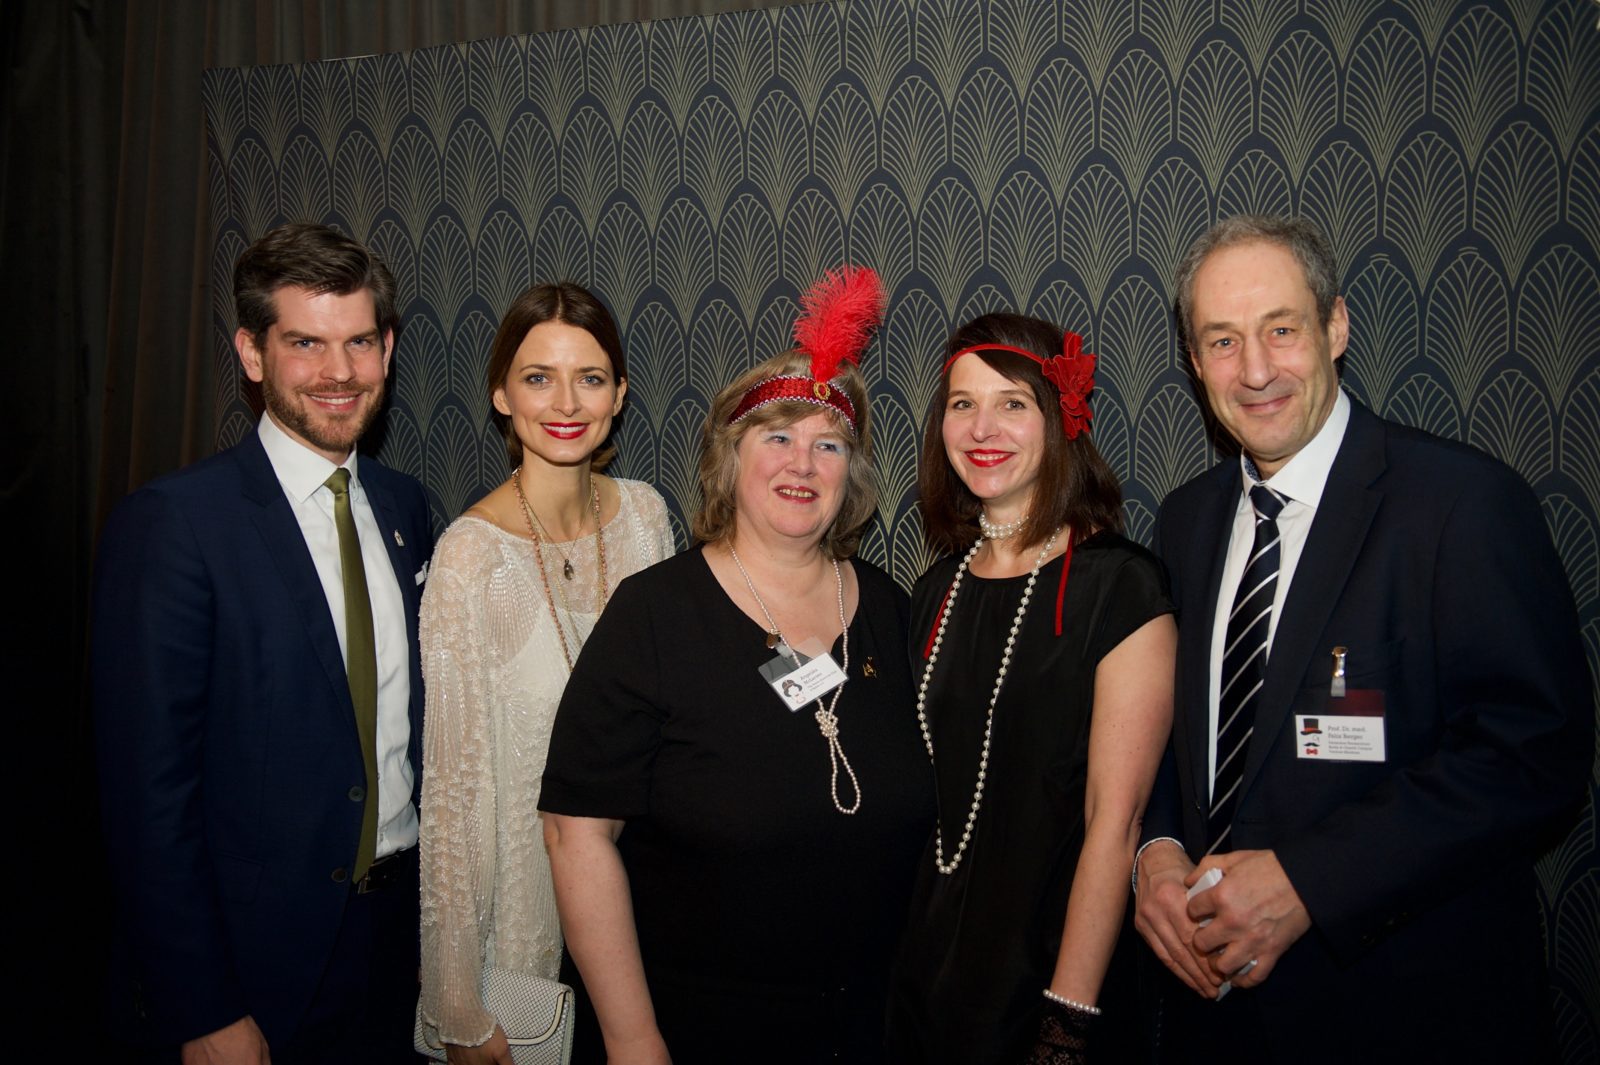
x,y
361,660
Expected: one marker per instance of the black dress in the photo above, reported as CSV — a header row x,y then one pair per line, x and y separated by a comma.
x,y
766,918
981,944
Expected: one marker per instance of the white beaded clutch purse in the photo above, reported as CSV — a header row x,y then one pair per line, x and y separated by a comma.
x,y
536,1014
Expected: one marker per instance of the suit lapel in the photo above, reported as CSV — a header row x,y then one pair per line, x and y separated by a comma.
x,y
286,547
1206,554
387,515
403,555
1343,517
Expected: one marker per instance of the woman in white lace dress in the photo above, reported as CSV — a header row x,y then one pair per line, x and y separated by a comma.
x,y
515,587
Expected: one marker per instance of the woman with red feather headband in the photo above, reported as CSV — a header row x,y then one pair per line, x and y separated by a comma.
x,y
736,794
1044,651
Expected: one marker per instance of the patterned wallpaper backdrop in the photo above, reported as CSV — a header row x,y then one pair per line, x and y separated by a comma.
x,y
1052,157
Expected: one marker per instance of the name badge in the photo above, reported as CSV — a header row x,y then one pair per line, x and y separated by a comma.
x,y
802,680
1353,736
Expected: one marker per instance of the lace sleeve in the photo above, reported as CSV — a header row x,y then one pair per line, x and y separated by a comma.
x,y
656,525
458,794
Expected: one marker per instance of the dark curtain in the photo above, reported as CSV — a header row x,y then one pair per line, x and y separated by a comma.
x,y
104,251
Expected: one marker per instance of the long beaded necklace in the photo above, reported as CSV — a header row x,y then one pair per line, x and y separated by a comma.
x,y
534,525
947,868
827,720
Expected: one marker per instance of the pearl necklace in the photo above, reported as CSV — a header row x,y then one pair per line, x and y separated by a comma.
x,y
538,555
947,868
827,720
1005,531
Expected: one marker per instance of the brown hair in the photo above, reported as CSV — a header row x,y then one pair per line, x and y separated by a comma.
x,y
719,452
1075,488
1298,237
569,304
314,257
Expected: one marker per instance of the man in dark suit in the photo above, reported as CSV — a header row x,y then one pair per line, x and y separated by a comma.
x,y
1382,705
258,698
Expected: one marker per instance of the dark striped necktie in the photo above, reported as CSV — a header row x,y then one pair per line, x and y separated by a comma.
x,y
1244,664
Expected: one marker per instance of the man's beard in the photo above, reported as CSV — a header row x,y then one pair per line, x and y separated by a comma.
x,y
331,433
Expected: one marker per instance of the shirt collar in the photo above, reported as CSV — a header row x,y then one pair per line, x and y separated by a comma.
x,y
300,470
1305,475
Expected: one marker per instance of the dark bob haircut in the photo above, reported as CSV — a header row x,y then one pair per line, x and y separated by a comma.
x,y
1075,488
569,304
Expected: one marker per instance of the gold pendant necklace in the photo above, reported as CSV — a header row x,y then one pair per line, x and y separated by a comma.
x,y
535,526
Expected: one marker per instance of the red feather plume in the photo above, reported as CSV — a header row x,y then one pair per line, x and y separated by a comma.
x,y
841,311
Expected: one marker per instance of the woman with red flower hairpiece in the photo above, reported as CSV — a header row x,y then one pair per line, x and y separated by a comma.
x,y
736,795
1044,653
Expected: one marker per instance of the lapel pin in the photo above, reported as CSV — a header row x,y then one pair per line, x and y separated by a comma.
x,y
399,541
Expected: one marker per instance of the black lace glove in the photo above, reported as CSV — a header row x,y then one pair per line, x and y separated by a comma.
x,y
1064,1035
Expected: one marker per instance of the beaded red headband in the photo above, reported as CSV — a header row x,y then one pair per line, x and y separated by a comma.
x,y
797,388
841,311
1071,372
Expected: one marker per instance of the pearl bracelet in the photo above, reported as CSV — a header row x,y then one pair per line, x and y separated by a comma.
x,y
1062,1000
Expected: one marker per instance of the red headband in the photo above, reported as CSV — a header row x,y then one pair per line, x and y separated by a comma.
x,y
841,311
794,387
1071,372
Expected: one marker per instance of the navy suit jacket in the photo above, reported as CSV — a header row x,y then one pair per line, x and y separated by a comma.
x,y
1431,563
227,743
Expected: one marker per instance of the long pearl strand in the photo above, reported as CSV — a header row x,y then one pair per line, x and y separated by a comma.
x,y
947,868
826,716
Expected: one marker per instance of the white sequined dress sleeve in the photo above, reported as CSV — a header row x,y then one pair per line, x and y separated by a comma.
x,y
494,672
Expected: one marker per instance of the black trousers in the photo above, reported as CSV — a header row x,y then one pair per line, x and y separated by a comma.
x,y
364,1010
378,948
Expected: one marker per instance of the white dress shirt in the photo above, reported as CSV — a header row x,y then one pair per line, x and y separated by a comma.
x,y
1301,481
302,473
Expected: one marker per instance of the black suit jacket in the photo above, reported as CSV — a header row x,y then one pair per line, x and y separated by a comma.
x,y
227,743
1432,564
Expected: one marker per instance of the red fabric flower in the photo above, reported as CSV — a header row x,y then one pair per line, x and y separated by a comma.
x,y
1072,372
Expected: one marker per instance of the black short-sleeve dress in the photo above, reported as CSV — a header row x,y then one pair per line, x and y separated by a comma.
x,y
766,918
981,943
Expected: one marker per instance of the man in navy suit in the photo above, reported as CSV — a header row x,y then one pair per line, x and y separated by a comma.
x,y
258,698
1382,705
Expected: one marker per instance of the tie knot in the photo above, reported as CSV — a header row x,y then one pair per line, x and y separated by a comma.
x,y
338,481
1268,503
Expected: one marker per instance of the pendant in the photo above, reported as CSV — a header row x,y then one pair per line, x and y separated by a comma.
x,y
566,569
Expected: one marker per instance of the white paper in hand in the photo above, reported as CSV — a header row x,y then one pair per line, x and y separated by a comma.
x,y
1210,879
